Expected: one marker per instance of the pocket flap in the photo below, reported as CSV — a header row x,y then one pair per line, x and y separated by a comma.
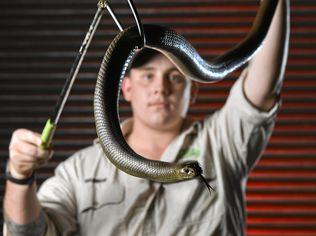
x,y
100,194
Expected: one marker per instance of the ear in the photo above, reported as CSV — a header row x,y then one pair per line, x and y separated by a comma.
x,y
194,92
126,88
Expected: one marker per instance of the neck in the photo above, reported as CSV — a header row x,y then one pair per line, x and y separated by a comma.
x,y
150,142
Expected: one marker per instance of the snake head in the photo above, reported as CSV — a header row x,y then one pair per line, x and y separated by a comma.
x,y
189,170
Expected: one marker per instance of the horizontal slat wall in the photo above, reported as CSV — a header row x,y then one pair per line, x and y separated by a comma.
x,y
39,41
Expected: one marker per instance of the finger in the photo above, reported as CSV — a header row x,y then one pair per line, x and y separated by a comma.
x,y
23,148
25,166
18,157
27,136
31,165
29,150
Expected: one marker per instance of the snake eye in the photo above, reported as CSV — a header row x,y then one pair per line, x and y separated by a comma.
x,y
188,170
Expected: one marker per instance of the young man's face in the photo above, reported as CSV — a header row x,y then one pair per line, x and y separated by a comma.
x,y
159,94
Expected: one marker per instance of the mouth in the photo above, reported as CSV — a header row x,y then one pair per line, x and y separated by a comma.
x,y
159,104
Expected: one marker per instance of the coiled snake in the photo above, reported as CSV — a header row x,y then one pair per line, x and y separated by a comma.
x,y
115,64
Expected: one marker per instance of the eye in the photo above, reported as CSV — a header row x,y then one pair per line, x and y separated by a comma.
x,y
188,171
148,76
176,78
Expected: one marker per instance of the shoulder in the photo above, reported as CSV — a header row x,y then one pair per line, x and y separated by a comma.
x,y
84,156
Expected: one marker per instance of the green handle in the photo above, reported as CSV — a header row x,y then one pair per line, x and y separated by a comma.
x,y
47,134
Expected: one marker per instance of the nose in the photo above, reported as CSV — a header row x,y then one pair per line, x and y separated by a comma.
x,y
162,86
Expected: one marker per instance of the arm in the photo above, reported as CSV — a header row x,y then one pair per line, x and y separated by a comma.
x,y
23,212
51,210
21,205
243,126
266,70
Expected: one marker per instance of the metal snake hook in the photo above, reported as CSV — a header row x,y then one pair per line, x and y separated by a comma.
x,y
137,20
51,124
105,4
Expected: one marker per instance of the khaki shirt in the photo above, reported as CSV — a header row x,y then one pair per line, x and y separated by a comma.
x,y
90,196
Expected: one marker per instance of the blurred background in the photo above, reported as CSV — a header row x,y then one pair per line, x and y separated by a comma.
x,y
40,39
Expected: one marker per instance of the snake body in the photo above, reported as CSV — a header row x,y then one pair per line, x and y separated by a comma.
x,y
115,64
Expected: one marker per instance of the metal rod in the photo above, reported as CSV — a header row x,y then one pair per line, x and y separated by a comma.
x,y
76,66
51,124
137,20
117,22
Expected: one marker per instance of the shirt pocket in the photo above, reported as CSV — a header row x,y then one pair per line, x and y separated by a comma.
x,y
98,194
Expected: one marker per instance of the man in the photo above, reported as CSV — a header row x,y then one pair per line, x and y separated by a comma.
x,y
89,196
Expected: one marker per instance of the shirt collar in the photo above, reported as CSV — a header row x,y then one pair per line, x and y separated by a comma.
x,y
189,127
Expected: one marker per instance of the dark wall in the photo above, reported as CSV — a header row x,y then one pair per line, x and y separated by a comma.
x,y
39,41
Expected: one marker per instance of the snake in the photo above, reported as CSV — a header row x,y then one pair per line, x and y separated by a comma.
x,y
174,46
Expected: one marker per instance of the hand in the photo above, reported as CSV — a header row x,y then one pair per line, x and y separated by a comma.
x,y
26,154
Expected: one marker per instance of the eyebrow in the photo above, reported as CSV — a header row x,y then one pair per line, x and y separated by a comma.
x,y
151,68
146,68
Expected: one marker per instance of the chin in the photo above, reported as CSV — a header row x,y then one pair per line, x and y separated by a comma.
x,y
165,122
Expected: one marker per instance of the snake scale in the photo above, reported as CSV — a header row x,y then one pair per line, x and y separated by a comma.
x,y
115,64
